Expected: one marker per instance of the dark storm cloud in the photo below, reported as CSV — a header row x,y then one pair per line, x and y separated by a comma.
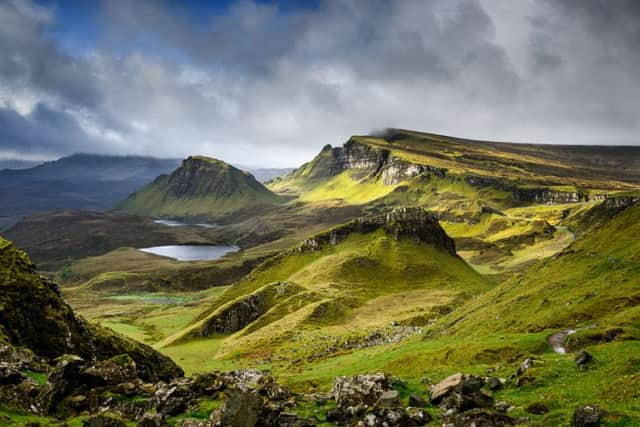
x,y
256,80
29,59
44,131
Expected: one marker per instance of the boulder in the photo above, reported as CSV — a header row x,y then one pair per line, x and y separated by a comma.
x,y
537,408
288,419
587,416
417,401
151,420
388,399
9,375
493,383
461,392
116,370
583,359
241,409
360,391
480,418
103,421
397,417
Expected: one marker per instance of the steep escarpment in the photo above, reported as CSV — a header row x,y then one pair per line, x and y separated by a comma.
x,y
407,222
33,315
362,161
201,187
337,277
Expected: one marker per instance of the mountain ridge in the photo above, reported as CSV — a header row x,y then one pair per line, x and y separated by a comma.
x,y
202,187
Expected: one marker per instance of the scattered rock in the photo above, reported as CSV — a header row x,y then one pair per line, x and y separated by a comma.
x,y
503,407
388,399
587,416
417,401
493,383
479,418
584,359
524,366
241,409
537,408
150,420
103,421
461,392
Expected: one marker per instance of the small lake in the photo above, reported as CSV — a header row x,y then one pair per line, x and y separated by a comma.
x,y
174,223
191,252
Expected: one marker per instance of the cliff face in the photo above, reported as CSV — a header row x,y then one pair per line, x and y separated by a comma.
x,y
201,176
365,162
33,315
401,223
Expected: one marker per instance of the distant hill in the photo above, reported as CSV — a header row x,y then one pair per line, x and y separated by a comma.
x,y
81,181
201,188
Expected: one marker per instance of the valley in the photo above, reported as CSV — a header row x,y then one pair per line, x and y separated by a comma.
x,y
409,253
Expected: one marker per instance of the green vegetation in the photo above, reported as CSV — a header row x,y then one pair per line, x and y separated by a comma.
x,y
201,189
546,240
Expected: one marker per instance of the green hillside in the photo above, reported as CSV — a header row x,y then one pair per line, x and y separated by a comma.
x,y
201,188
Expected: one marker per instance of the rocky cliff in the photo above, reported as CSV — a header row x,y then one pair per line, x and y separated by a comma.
x,y
401,223
365,162
34,316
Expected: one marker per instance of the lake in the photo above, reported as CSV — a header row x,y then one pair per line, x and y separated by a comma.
x,y
174,223
191,252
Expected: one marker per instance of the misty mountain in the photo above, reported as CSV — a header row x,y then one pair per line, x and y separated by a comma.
x,y
80,181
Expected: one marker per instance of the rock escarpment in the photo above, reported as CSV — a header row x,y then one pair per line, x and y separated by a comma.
x,y
364,162
236,316
401,223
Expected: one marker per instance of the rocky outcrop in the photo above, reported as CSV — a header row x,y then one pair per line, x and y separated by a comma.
x,y
34,316
364,162
235,317
401,223
550,196
371,400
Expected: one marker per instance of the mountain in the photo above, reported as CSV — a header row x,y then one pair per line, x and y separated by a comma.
x,y
202,188
264,174
18,164
81,181
356,276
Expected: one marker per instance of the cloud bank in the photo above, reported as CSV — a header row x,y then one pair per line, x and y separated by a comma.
x,y
259,84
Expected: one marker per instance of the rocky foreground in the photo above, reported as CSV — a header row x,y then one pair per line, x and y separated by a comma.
x,y
114,392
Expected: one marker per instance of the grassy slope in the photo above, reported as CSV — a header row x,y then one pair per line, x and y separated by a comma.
x,y
359,284
216,189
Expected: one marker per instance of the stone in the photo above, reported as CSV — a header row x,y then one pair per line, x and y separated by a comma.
x,y
417,401
444,387
116,370
388,399
150,420
461,392
288,419
241,409
103,421
9,375
361,390
583,359
537,408
480,418
524,366
493,383
587,416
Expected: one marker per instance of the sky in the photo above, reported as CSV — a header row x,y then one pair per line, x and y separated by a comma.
x,y
268,83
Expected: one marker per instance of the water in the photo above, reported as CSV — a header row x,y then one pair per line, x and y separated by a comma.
x,y
191,253
174,223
